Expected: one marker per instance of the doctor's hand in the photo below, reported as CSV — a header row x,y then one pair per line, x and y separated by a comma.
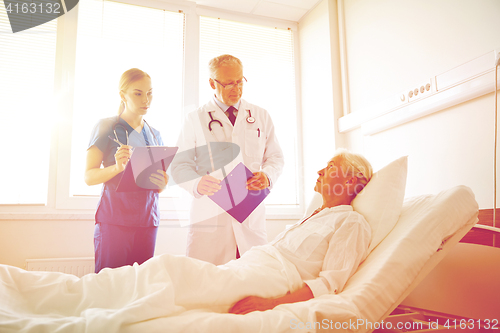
x,y
259,181
252,303
122,156
160,179
208,185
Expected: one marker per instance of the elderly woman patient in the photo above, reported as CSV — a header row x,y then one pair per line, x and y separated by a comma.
x,y
326,247
315,256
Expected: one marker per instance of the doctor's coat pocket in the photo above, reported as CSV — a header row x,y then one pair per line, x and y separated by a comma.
x,y
302,241
255,143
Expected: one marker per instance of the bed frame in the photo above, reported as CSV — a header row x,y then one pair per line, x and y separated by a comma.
x,y
460,293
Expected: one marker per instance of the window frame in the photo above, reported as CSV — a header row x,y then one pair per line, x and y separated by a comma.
x,y
60,204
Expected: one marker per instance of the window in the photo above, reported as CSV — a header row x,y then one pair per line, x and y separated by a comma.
x,y
27,67
268,60
58,79
113,37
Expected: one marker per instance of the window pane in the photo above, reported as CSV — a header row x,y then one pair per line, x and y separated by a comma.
x,y
269,66
27,64
112,38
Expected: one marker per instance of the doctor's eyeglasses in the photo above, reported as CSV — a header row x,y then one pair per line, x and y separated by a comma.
x,y
232,85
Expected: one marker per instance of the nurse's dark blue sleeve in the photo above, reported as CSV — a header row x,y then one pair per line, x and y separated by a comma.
x,y
99,136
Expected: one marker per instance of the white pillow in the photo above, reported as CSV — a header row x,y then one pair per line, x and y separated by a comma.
x,y
381,201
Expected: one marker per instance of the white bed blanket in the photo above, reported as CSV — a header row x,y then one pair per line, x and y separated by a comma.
x,y
140,298
164,286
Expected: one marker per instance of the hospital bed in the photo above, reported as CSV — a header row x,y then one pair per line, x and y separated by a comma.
x,y
461,293
409,238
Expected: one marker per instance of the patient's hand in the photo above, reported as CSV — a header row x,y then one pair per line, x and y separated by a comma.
x,y
252,303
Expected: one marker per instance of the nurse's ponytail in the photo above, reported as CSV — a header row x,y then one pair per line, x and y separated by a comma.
x,y
121,108
126,79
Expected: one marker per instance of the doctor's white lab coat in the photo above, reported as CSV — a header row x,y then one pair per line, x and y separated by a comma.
x,y
259,151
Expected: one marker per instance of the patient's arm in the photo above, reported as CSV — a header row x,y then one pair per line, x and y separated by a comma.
x,y
254,303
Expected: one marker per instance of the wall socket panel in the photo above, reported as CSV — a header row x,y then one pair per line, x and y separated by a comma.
x,y
419,91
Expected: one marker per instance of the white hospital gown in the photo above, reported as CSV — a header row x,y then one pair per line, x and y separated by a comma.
x,y
327,248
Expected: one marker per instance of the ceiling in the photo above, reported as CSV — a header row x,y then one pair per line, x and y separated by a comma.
x,y
291,10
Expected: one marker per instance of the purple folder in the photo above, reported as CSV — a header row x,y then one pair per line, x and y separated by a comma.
x,y
234,197
144,162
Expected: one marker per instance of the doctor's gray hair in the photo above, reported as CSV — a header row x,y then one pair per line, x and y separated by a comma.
x,y
222,60
355,165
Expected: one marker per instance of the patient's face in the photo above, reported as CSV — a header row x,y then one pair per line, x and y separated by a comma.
x,y
332,179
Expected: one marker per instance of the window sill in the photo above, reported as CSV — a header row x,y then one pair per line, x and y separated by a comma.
x,y
89,216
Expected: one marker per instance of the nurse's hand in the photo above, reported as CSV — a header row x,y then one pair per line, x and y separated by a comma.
x,y
259,181
122,156
160,179
208,185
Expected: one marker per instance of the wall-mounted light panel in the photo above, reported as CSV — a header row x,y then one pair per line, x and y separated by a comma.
x,y
460,84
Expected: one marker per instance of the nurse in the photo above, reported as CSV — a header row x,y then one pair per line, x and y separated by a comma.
x,y
125,222
214,235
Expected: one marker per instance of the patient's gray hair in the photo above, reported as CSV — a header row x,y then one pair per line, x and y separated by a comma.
x,y
356,165
222,60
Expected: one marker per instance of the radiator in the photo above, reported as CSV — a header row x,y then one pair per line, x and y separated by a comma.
x,y
75,266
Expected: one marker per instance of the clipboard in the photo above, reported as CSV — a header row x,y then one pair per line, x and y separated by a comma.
x,y
144,162
234,197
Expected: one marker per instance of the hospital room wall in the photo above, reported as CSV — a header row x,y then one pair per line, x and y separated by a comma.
x,y
42,239
393,45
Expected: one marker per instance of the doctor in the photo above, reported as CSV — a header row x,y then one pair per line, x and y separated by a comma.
x,y
214,235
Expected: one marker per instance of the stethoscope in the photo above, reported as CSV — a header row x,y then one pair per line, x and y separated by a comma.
x,y
117,123
249,120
